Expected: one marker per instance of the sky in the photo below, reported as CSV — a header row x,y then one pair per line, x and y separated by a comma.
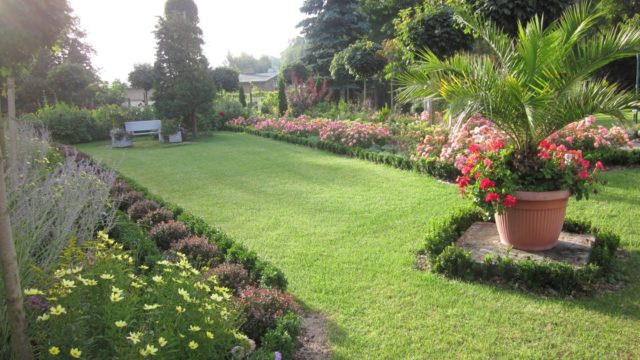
x,y
121,31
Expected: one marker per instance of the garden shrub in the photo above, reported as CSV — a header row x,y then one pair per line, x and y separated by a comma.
x,y
155,217
141,208
282,338
199,251
199,227
239,254
164,234
129,198
119,188
263,308
134,239
271,276
232,276
69,124
109,310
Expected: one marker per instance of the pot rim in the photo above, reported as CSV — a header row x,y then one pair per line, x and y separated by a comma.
x,y
542,195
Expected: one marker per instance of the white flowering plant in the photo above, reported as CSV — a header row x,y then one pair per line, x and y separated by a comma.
x,y
97,305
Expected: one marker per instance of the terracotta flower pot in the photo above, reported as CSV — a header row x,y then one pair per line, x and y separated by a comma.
x,y
535,222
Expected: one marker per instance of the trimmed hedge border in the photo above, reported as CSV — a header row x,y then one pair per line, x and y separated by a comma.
x,y
444,257
617,157
433,167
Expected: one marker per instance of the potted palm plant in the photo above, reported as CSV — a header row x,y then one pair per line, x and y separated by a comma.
x,y
533,86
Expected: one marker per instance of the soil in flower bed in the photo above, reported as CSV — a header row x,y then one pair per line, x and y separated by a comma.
x,y
482,239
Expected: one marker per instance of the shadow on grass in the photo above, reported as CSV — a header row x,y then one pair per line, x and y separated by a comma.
x,y
318,333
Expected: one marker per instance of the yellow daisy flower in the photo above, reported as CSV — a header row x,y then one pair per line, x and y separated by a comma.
x,y
209,334
33,292
121,323
193,345
151,307
58,310
162,341
194,328
54,350
75,353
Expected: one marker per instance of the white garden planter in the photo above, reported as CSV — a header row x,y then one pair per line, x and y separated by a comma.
x,y
176,138
122,143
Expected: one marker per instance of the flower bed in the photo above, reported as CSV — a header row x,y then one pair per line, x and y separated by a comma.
x,y
444,257
141,301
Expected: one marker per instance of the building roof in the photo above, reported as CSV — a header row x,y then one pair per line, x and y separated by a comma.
x,y
137,94
257,78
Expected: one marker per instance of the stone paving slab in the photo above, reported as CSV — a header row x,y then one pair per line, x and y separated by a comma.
x,y
482,238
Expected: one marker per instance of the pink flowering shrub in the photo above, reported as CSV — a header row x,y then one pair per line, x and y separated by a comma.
x,y
354,134
301,95
431,144
585,134
477,133
241,121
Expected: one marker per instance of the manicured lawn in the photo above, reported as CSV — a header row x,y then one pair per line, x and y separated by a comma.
x,y
344,231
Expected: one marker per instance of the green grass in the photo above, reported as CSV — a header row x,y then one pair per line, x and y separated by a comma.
x,y
344,231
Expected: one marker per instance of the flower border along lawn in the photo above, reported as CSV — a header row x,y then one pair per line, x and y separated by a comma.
x,y
345,233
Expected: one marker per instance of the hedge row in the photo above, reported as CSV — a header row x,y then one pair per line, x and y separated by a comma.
x,y
444,257
433,167
618,157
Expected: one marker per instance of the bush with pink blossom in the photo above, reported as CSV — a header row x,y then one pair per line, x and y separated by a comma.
x,y
586,135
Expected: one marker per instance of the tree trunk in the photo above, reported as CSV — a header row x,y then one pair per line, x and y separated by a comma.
x,y
195,125
364,92
20,345
13,126
391,93
146,98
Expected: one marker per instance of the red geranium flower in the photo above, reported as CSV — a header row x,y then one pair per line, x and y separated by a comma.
x,y
509,200
463,181
498,145
490,197
221,113
583,174
487,162
474,148
599,166
487,184
544,155
585,163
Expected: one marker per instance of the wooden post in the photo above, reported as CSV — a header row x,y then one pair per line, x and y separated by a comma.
x,y
13,127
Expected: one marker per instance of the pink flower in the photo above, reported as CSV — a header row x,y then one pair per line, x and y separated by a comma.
x,y
599,166
463,181
498,145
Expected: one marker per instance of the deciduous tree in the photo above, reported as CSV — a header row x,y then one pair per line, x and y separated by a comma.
x,y
142,78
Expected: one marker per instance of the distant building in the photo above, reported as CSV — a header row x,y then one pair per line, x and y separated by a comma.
x,y
264,81
135,98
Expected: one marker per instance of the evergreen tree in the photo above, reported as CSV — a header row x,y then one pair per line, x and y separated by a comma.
x,y
282,96
182,79
332,26
243,99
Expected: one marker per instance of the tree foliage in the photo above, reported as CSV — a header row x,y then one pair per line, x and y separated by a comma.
x,y
69,83
182,79
248,64
292,70
432,27
381,14
141,77
294,53
226,78
330,28
507,13
535,84
363,59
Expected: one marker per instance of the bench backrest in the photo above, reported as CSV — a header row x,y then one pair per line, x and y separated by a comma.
x,y
144,125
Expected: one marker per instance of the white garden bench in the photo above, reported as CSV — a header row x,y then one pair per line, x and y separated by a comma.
x,y
144,127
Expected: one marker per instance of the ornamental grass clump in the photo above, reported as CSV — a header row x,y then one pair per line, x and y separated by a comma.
x,y
533,86
97,305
